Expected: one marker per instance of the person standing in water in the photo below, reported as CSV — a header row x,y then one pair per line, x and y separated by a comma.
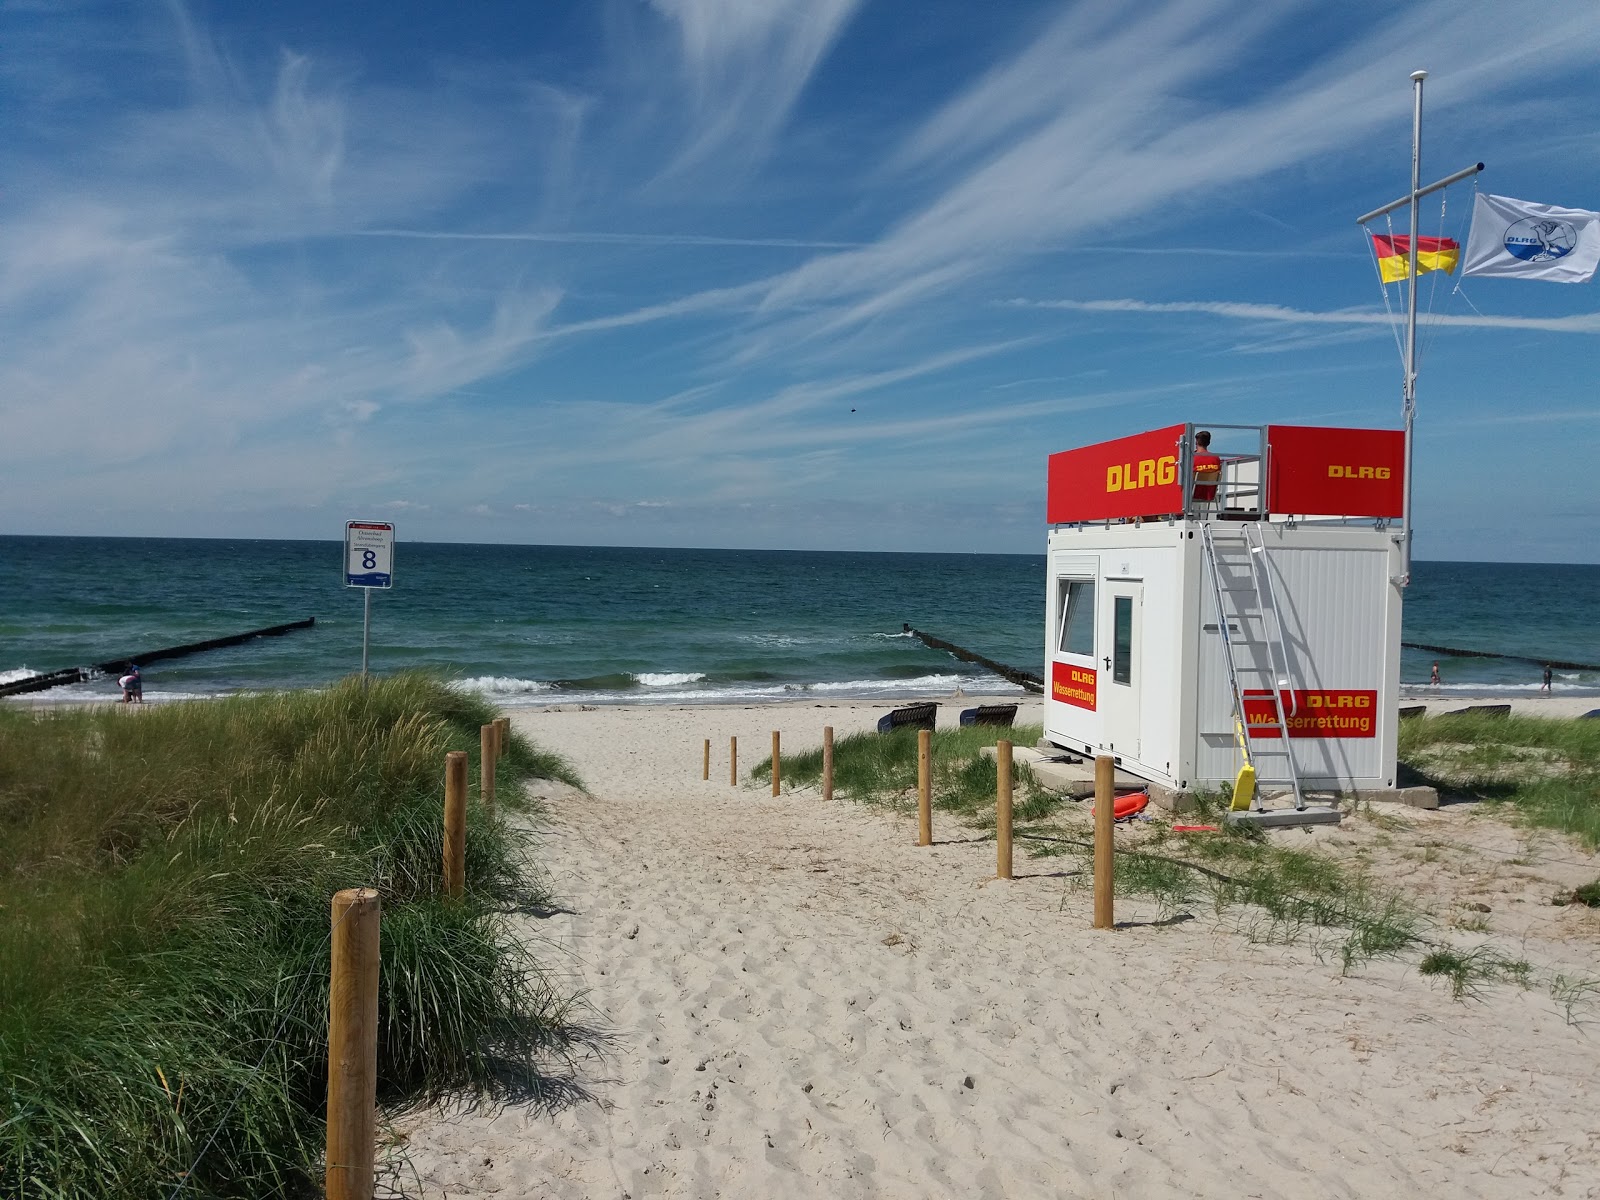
x,y
1434,681
1545,686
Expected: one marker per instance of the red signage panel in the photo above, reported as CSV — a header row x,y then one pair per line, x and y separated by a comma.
x,y
1314,714
1130,477
1337,472
1073,685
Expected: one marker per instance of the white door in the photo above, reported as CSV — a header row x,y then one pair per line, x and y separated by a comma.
x,y
1123,662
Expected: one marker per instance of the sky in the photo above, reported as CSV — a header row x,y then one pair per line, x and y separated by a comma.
x,y
814,274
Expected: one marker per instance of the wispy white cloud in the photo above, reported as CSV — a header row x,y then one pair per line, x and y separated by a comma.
x,y
597,238
1581,323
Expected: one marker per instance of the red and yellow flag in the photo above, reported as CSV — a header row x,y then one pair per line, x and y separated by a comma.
x,y
1433,254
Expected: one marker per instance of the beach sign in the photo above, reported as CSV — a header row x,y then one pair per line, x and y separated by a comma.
x,y
368,554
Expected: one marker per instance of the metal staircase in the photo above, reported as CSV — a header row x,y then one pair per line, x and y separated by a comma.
x,y
1244,601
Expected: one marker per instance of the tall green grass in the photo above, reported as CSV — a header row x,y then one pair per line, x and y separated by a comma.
x,y
1546,770
165,882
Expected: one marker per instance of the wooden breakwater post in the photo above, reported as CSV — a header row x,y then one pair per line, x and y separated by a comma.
x,y
924,787
455,823
353,1044
488,740
827,762
1105,817
705,770
774,762
733,762
1002,809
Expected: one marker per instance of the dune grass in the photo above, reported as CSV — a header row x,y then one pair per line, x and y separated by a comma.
x,y
164,908
1546,771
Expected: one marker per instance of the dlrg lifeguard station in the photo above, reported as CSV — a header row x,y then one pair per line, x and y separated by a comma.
x,y
1204,600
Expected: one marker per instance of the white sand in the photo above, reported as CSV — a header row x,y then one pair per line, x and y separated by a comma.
x,y
801,1002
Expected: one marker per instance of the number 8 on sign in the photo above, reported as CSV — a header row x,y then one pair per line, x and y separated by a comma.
x,y
368,554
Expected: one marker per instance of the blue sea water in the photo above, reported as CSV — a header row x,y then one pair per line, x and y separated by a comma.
x,y
557,624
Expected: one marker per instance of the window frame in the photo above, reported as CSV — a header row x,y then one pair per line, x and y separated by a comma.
x,y
1075,594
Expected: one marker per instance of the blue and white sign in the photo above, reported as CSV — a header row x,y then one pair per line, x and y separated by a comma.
x,y
368,554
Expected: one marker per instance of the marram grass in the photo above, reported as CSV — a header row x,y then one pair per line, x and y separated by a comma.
x,y
165,883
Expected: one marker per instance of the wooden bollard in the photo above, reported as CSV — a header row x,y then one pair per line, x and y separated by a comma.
x,y
455,823
733,762
924,787
1105,816
705,771
774,762
827,762
1002,809
353,1045
502,742
488,739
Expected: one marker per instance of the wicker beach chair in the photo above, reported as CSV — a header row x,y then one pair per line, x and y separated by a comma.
x,y
990,714
913,716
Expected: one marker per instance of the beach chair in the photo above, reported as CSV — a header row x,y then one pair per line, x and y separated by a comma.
x,y
1412,710
989,714
913,716
1481,710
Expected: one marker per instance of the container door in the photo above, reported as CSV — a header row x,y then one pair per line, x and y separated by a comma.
x,y
1123,663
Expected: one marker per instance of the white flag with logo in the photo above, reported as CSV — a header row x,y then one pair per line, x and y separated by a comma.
x,y
1519,240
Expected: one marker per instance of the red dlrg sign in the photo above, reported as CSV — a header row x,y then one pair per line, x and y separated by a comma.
x,y
1337,472
1073,685
1130,477
1314,714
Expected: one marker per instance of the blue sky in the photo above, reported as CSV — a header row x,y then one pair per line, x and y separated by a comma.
x,y
781,273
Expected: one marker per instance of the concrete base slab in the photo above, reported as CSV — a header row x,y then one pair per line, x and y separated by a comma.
x,y
1057,772
1414,797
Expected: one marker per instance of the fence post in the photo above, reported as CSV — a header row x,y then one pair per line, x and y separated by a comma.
x,y
733,762
774,762
1105,804
827,762
502,742
488,739
924,787
455,823
705,771
353,1045
1002,809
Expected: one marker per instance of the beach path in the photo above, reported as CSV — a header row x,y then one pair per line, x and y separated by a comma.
x,y
798,1001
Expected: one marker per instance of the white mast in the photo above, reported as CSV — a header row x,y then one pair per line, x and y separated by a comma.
x,y
1409,388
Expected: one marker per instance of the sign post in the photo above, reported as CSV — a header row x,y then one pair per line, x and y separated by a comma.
x,y
368,564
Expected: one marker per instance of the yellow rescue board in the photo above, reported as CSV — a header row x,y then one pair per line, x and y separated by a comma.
x,y
1244,788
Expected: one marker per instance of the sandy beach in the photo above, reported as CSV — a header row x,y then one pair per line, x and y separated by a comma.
x,y
795,1000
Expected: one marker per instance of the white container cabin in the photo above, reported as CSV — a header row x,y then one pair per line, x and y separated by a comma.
x,y
1287,572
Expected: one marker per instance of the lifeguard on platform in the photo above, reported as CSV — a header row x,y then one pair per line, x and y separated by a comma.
x,y
1207,469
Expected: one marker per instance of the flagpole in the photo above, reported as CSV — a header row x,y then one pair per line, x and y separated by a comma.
x,y
1410,389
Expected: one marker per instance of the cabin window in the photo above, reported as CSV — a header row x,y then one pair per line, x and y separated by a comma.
x,y
1075,609
1122,639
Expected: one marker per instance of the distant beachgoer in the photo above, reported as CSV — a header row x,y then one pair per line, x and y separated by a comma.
x,y
132,686
1435,680
1545,686
1207,469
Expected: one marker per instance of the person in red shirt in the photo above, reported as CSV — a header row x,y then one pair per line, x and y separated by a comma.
x,y
1207,469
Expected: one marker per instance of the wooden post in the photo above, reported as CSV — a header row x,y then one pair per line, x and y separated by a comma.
x,y
502,726
924,787
705,771
827,762
1002,809
1105,806
774,762
455,823
488,738
353,1045
733,762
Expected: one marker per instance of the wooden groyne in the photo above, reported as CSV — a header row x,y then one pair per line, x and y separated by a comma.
x,y
50,679
1023,679
1455,653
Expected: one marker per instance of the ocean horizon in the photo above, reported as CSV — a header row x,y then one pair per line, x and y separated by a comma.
x,y
540,625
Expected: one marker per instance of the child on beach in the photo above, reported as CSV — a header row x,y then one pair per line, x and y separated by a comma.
x,y
132,686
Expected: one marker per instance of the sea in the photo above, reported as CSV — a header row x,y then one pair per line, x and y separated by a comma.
x,y
552,625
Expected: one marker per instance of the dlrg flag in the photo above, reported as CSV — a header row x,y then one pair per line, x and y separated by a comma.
x,y
1519,240
1394,255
